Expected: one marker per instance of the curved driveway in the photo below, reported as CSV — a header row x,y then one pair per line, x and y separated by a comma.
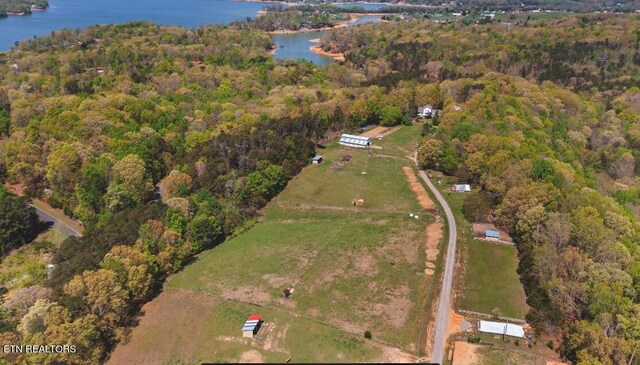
x,y
444,303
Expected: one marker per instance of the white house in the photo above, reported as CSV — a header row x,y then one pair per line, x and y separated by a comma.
x,y
425,111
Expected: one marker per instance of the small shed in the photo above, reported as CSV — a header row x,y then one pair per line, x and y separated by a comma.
x,y
251,326
317,160
490,233
501,328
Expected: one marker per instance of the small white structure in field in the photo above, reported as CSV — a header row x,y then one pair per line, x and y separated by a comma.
x,y
317,159
416,216
411,215
501,328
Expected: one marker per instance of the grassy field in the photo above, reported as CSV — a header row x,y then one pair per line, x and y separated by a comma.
x,y
354,269
490,280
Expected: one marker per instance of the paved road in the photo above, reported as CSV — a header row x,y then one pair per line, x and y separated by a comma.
x,y
61,226
444,303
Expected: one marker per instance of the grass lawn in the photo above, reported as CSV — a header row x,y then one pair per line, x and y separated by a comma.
x,y
491,281
490,278
353,268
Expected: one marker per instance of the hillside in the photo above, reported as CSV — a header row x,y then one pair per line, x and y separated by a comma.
x,y
164,141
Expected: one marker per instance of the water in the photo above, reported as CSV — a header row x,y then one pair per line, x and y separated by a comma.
x,y
187,13
83,13
296,45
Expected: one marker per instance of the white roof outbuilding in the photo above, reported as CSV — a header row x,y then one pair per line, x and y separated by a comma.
x,y
355,141
501,328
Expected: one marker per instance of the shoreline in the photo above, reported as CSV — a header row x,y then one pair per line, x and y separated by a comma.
x,y
320,51
341,24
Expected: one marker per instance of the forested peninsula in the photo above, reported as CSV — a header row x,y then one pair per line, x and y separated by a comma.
x,y
22,7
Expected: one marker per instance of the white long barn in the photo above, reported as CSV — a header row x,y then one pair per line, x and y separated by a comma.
x,y
501,328
351,140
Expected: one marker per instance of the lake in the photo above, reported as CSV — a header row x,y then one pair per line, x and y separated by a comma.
x,y
187,13
83,13
296,45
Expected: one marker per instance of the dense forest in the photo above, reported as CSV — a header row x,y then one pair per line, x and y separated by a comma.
x,y
580,52
163,141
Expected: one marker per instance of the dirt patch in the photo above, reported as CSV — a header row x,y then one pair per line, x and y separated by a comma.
x,y
277,281
401,244
365,264
455,320
338,164
305,259
397,307
428,272
287,303
379,131
479,230
251,357
274,337
431,265
247,294
434,235
394,355
418,189
465,353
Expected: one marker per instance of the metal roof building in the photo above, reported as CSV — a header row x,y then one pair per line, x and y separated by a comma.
x,y
355,141
250,325
489,233
501,328
462,188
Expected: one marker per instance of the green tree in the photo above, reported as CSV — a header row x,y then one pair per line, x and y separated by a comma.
x,y
19,223
63,168
204,232
430,153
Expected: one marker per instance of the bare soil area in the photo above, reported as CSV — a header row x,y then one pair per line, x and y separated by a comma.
x,y
479,233
251,357
418,189
379,131
464,353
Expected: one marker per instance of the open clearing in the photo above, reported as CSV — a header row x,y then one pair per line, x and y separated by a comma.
x,y
355,266
471,354
489,277
491,281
